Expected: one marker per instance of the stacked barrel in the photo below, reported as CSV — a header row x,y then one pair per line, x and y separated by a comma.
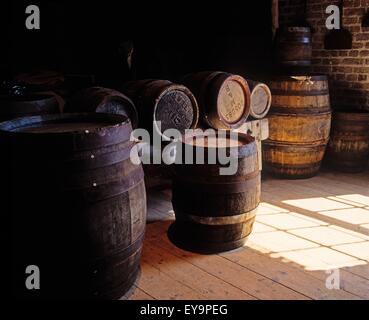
x,y
300,114
299,126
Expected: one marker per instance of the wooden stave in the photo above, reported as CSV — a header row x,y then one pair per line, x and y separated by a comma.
x,y
348,148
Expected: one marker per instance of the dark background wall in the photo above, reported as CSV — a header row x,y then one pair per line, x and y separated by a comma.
x,y
170,38
348,70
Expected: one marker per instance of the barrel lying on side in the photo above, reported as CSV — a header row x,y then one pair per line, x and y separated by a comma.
x,y
103,100
215,212
173,105
223,98
27,105
299,125
260,99
348,148
76,202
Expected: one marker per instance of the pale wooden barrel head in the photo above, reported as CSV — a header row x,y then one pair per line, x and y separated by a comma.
x,y
231,101
261,100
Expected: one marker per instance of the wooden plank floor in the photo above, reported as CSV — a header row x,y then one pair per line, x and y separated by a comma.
x,y
307,232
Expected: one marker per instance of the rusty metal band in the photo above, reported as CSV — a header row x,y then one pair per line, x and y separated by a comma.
x,y
305,93
287,39
300,63
122,252
110,189
309,165
221,188
294,145
226,220
303,110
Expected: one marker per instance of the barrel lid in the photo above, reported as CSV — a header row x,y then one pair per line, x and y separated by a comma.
x,y
233,100
176,107
261,99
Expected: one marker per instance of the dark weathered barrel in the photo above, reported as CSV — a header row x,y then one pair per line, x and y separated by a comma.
x,y
260,100
223,98
348,148
103,100
299,125
173,105
293,46
215,212
76,202
27,105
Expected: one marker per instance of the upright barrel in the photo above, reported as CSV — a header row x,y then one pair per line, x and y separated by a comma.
x,y
76,204
348,148
224,98
293,47
260,99
215,211
103,100
160,101
299,125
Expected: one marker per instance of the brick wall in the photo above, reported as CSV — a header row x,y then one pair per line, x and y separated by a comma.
x,y
348,70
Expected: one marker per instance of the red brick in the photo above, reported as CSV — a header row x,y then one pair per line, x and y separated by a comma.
x,y
353,11
362,36
364,53
351,77
352,61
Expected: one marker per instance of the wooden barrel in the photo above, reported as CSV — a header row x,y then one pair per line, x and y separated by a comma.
x,y
41,80
223,98
215,212
27,105
103,100
260,100
299,125
76,204
293,46
173,105
348,148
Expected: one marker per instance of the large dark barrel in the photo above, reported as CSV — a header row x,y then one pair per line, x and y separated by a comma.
x,y
103,100
348,148
76,204
223,98
160,100
293,47
215,212
299,125
27,105
260,100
